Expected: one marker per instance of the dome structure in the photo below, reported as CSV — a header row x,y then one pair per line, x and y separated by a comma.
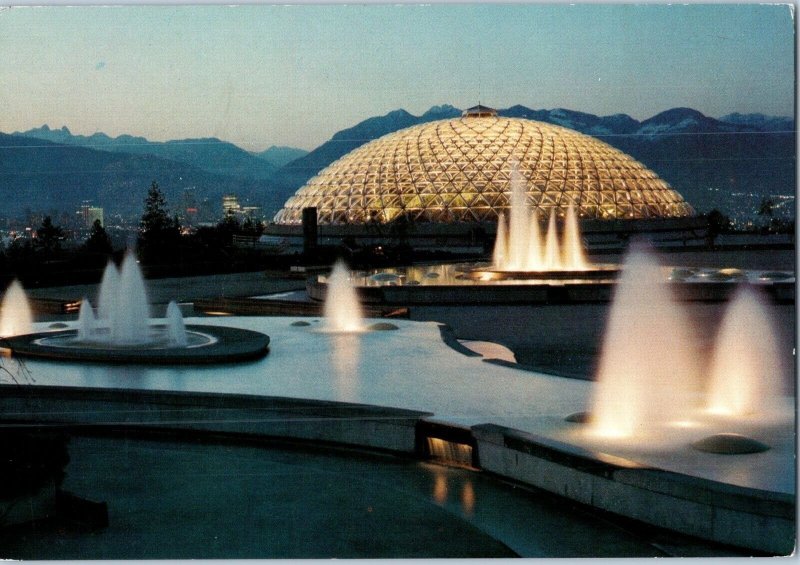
x,y
460,170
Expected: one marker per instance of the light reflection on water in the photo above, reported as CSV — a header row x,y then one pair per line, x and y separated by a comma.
x,y
444,483
441,275
345,353
450,274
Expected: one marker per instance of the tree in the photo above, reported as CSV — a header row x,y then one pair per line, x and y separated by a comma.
x,y
159,233
717,223
49,236
98,240
766,207
227,227
251,227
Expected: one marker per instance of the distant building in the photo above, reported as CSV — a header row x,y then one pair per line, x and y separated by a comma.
x,y
88,214
95,214
190,208
252,212
230,205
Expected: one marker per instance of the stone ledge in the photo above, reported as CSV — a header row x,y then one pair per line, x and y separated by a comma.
x,y
730,514
380,428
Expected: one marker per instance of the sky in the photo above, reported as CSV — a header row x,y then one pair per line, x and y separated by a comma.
x,y
259,75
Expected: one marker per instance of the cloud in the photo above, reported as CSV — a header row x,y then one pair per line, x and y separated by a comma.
x,y
100,66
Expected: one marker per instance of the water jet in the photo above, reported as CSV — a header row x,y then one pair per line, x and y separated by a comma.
x,y
15,311
745,369
342,309
124,333
648,371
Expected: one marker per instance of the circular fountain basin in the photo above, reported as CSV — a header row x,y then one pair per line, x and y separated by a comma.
x,y
491,274
205,345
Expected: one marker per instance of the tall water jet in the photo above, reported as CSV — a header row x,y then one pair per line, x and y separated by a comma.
x,y
107,297
129,318
552,255
519,219
535,260
176,328
86,321
648,372
500,248
519,245
746,373
574,257
16,317
342,309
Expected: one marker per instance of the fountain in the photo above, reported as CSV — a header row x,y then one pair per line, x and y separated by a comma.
x,y
523,239
500,252
650,375
129,315
124,333
574,254
87,324
342,309
520,252
648,371
745,370
15,312
107,296
176,329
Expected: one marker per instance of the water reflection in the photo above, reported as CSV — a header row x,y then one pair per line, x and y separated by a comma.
x,y
444,483
345,353
440,488
452,274
467,498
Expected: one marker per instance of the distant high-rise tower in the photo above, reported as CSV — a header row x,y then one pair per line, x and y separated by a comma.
x,y
230,205
88,214
95,213
190,209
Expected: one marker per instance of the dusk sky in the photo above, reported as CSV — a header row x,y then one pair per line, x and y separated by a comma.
x,y
294,75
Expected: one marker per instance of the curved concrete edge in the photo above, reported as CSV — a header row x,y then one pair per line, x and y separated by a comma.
x,y
533,293
337,423
232,345
749,518
449,338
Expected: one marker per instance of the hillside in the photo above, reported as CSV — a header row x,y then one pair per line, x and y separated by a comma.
x,y
704,158
211,155
41,175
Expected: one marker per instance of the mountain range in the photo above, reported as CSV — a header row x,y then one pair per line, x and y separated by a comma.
x,y
705,159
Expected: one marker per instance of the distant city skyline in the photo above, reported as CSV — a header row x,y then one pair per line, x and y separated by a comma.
x,y
259,76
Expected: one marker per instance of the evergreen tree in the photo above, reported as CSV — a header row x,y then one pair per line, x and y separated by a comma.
x,y
98,240
49,236
159,233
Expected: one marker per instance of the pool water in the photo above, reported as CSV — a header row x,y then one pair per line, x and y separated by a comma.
x,y
170,499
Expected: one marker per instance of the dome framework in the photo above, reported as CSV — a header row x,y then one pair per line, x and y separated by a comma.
x,y
460,170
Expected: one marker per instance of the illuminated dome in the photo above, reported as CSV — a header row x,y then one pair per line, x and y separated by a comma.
x,y
459,170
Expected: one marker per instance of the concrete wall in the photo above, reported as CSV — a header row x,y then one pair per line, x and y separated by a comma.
x,y
719,512
385,429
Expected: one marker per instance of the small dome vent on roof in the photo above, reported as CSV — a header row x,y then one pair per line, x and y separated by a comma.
x,y
479,112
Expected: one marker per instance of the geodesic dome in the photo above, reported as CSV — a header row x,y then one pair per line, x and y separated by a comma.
x,y
459,170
